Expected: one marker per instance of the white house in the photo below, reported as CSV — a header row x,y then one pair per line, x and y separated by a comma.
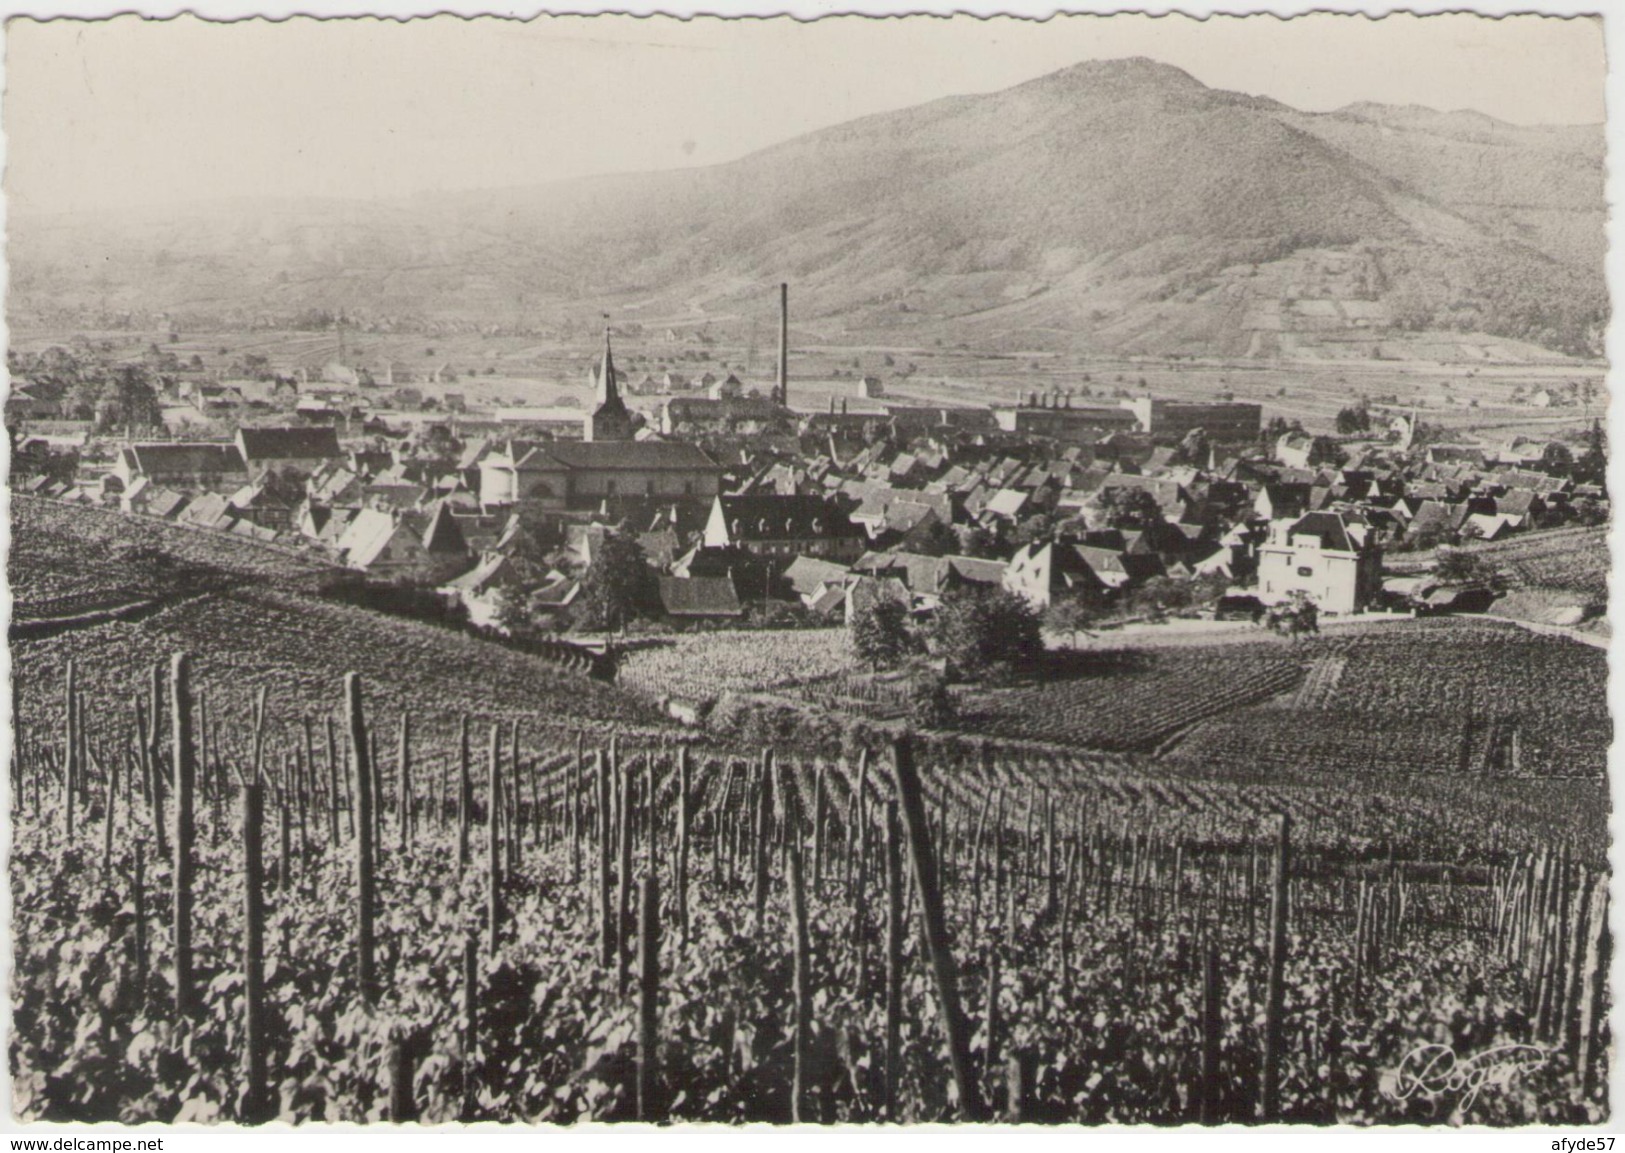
x,y
1325,555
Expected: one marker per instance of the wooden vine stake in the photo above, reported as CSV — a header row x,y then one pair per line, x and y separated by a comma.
x,y
685,817
894,959
606,916
934,928
335,785
1269,1096
471,1022
70,761
623,877
764,822
1594,987
110,806
801,986
180,696
493,844
156,782
648,994
403,1106
465,795
404,786
361,790
1212,1032
140,886
256,1099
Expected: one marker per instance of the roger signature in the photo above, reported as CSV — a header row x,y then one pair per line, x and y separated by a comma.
x,y
1434,1071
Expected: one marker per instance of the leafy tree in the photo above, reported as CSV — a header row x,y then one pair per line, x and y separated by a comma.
x,y
1071,616
1297,616
1459,566
1592,465
137,399
618,587
1129,508
932,705
1034,529
979,631
1161,595
513,612
880,634
1353,420
938,540
1325,450
975,541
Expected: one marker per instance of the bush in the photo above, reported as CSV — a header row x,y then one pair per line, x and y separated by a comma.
x,y
880,634
980,632
932,706
1294,617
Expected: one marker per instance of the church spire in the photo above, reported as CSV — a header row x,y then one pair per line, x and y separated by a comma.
x,y
607,389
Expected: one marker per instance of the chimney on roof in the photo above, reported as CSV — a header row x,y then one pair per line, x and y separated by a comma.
x,y
784,345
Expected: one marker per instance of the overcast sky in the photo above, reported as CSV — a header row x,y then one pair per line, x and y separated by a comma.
x,y
132,112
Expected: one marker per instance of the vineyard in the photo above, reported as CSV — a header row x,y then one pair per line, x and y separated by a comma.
x,y
258,638
336,904
67,559
1133,699
1442,696
1572,560
703,666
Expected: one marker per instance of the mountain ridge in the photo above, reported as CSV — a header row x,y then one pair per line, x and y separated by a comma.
x,y
1120,196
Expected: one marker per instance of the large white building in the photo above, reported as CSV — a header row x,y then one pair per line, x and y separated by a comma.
x,y
1330,557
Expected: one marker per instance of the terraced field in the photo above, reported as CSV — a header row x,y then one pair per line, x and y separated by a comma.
x,y
1572,560
67,559
1434,697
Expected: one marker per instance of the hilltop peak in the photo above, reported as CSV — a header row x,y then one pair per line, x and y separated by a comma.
x,y
1139,72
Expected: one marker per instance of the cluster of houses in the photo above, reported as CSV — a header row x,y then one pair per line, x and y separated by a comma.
x,y
740,499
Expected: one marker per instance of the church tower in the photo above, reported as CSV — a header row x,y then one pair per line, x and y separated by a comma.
x,y
610,419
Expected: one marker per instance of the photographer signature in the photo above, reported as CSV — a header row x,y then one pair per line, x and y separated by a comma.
x,y
1432,1071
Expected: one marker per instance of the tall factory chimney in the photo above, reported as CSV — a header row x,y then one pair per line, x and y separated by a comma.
x,y
784,345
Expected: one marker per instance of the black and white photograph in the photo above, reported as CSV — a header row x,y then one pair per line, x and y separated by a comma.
x,y
835,572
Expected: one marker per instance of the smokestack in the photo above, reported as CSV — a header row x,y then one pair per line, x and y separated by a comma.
x,y
784,344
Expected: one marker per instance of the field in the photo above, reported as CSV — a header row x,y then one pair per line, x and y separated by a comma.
x,y
613,945
1131,699
1573,560
740,948
704,665
70,559
252,627
1461,397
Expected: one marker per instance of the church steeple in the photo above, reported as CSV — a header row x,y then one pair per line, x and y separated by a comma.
x,y
610,419
607,390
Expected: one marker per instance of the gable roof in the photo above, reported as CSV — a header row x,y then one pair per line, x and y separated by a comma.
x,y
1328,527
495,569
297,443
444,535
165,503
208,511
193,458
764,516
650,455
713,596
806,573
366,536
